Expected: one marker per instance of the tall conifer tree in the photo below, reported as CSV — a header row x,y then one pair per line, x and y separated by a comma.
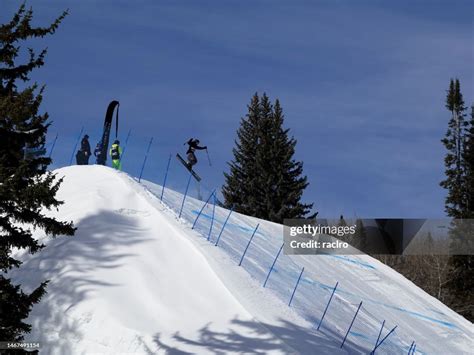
x,y
468,162
453,141
458,162
238,191
264,179
26,187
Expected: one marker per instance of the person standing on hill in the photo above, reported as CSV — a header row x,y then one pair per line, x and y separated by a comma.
x,y
83,154
116,154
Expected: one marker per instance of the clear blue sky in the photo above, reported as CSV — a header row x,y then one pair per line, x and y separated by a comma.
x,y
362,85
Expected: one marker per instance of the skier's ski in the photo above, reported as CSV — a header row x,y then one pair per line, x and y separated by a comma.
x,y
193,173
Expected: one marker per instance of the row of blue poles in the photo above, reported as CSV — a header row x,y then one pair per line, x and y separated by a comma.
x,y
377,344
213,195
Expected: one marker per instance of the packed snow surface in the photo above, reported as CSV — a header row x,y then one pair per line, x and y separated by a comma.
x,y
136,279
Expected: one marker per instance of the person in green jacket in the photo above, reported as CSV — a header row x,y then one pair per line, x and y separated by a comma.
x,y
116,154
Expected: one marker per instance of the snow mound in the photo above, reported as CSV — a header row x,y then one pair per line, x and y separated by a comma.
x,y
135,279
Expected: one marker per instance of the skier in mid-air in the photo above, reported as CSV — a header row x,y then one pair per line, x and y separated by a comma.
x,y
193,144
116,154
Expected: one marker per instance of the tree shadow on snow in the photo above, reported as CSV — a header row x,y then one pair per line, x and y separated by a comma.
x,y
71,264
258,338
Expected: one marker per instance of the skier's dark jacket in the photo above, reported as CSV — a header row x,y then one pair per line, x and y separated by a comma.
x,y
85,146
193,146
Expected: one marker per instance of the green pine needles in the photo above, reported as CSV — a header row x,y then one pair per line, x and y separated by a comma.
x,y
264,180
459,203
26,187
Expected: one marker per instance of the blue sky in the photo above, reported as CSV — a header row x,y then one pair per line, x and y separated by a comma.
x,y
362,85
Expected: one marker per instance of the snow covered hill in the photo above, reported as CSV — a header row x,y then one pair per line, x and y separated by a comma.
x,y
137,279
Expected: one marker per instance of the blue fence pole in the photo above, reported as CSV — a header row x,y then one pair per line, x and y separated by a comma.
x,y
378,338
381,341
52,147
273,264
166,176
414,349
250,241
125,145
223,226
212,220
144,160
185,193
202,208
75,146
327,306
411,347
353,319
294,291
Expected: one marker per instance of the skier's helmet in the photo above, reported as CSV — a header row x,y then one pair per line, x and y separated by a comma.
x,y
86,136
116,141
197,141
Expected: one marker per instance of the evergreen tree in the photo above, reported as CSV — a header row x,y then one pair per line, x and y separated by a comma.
x,y
453,141
264,180
26,187
239,189
461,284
468,162
458,162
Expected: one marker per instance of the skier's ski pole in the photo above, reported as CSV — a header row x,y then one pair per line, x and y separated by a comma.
x,y
209,159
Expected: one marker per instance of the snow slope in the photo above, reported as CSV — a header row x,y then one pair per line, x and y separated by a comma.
x,y
137,279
